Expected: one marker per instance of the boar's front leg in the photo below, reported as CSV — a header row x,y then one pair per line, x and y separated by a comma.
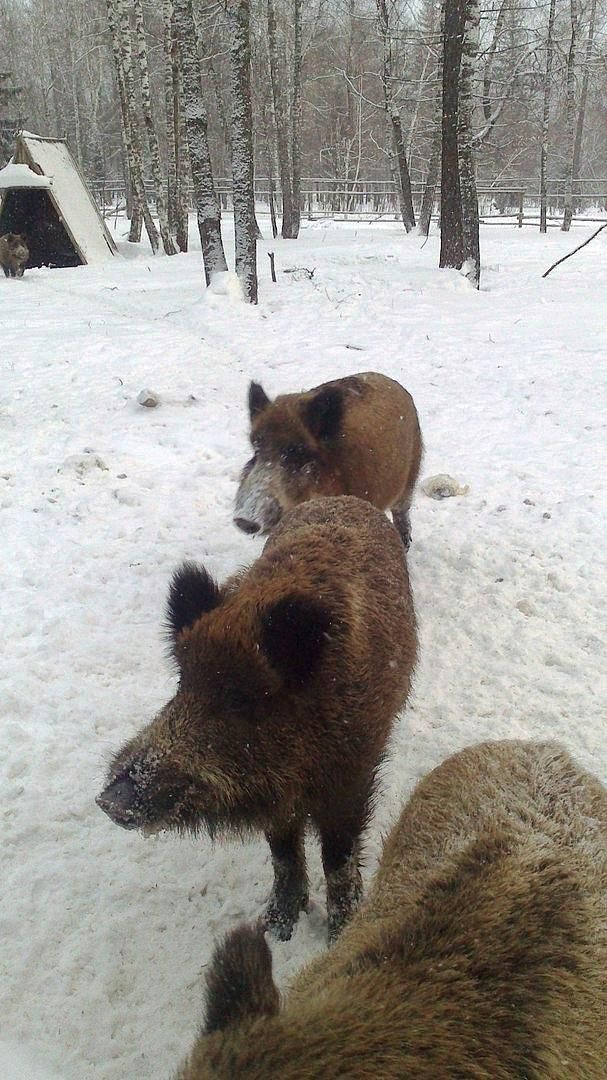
x,y
340,859
290,890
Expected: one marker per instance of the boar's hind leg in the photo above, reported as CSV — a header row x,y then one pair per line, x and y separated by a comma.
x,y
340,859
400,517
290,891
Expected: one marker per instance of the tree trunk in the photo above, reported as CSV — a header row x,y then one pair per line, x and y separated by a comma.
x,y
148,119
581,116
429,196
451,225
394,120
118,21
570,115
296,115
546,116
196,121
171,107
282,127
245,225
470,225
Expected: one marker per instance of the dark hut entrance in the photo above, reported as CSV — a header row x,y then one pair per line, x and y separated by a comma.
x,y
32,211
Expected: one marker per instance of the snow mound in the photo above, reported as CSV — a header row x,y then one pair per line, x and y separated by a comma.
x,y
443,486
226,283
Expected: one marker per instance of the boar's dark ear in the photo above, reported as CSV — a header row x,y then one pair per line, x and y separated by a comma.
x,y
192,593
258,399
293,636
323,414
239,981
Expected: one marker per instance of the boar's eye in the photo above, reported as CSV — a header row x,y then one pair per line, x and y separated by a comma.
x,y
296,456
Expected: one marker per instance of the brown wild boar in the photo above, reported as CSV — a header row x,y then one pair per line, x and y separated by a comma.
x,y
14,254
479,954
354,436
290,676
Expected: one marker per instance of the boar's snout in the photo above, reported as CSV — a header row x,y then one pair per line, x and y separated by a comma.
x,y
246,525
118,800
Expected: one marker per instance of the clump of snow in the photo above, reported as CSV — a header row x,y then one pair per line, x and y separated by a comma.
x,y
20,1063
148,398
443,486
225,283
82,464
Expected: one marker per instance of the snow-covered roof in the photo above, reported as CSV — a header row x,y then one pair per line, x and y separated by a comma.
x,y
70,193
12,176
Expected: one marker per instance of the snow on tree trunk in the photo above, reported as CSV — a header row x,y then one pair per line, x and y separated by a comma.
x,y
581,116
394,120
146,101
451,226
171,108
207,203
245,225
546,115
282,126
429,196
459,203
470,225
296,115
570,115
120,30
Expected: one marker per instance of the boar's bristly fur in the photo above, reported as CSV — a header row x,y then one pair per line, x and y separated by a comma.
x,y
354,436
480,952
290,676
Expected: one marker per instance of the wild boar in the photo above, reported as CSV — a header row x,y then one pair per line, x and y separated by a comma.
x,y
480,953
290,677
14,254
354,436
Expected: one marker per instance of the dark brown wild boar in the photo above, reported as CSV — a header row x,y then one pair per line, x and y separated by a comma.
x,y
354,436
290,676
480,952
14,254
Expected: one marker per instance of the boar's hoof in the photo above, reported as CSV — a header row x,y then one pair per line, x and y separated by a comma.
x,y
280,919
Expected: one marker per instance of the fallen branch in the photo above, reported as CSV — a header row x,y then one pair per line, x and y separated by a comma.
x,y
578,248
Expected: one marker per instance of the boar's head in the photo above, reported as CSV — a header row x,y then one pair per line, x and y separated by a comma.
x,y
293,458
216,755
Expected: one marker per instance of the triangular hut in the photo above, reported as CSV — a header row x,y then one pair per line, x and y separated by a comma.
x,y
44,196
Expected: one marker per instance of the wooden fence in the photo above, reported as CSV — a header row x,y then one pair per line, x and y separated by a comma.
x,y
370,200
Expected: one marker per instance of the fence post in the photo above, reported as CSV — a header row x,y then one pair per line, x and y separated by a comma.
x,y
521,208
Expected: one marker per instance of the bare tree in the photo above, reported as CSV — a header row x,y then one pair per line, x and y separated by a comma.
x,y
207,203
581,116
148,119
120,31
245,225
296,117
546,115
282,125
570,114
465,137
394,120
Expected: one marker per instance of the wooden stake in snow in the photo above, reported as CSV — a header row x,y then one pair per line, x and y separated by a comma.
x,y
578,248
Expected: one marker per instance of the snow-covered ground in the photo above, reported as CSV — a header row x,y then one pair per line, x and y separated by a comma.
x,y
104,935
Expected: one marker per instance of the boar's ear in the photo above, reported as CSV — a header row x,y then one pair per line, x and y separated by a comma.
x,y
258,399
293,636
192,593
239,981
323,414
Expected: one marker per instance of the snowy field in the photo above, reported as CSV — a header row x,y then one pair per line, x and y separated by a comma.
x,y
104,935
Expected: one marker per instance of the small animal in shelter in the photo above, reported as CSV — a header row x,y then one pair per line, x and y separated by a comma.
x,y
354,436
14,254
480,953
290,677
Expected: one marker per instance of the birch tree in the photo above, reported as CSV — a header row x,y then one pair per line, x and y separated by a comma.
x,y
399,153
245,224
296,117
120,31
570,113
546,115
581,116
148,119
208,211
281,122
465,137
